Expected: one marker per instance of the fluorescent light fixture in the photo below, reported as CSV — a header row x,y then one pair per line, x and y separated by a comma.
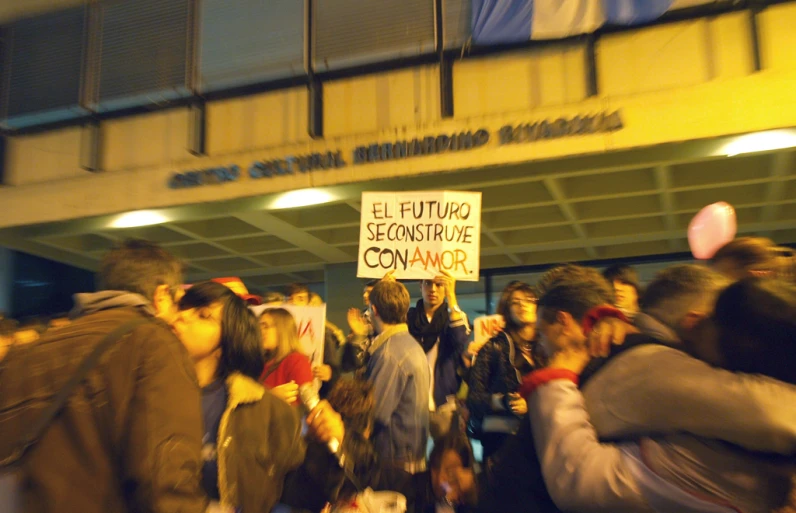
x,y
139,218
302,198
761,141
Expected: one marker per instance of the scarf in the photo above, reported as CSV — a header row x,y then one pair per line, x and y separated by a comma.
x,y
427,333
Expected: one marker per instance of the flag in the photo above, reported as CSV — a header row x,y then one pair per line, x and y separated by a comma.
x,y
512,21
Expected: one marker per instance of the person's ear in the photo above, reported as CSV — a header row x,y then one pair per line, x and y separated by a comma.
x,y
375,312
563,317
569,327
692,319
162,299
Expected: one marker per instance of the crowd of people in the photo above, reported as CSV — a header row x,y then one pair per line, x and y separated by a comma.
x,y
599,394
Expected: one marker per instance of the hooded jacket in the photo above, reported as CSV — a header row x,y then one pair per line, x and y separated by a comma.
x,y
129,439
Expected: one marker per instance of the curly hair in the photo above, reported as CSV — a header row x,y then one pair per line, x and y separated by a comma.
x,y
353,399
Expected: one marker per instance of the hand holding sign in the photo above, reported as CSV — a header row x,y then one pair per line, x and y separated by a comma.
x,y
449,282
420,234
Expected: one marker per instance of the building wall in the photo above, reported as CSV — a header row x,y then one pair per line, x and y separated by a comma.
x,y
674,82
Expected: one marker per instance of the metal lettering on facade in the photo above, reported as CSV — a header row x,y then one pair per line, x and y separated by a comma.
x,y
399,150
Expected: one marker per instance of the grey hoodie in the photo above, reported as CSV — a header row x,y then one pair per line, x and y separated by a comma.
x,y
91,302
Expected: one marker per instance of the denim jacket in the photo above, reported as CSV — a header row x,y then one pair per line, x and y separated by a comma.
x,y
399,372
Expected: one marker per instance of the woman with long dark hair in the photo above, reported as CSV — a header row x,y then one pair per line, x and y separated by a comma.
x,y
252,438
495,407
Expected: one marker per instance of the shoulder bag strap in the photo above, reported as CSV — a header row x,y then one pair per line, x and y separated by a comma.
x,y
58,403
272,369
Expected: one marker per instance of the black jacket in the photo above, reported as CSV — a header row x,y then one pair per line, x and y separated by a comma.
x,y
492,373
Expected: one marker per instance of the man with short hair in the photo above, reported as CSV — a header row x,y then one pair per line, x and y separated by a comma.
x,y
400,375
366,292
297,294
440,326
647,387
130,437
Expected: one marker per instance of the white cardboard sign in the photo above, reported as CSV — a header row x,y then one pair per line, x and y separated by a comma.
x,y
486,327
419,234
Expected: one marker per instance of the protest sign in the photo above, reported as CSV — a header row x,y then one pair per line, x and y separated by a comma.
x,y
419,234
310,321
486,327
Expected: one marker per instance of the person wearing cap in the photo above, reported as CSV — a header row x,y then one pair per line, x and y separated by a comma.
x,y
237,286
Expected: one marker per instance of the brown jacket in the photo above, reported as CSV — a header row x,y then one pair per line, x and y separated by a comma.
x,y
129,439
259,441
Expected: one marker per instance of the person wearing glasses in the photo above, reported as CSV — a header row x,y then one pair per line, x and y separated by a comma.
x,y
494,404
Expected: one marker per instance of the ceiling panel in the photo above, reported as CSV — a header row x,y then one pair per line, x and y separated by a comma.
x,y
160,234
789,194
345,236
197,250
291,258
607,184
312,276
492,261
625,227
257,244
751,167
562,255
655,247
324,215
616,207
219,227
506,219
504,196
269,280
737,195
229,265
784,236
85,243
787,212
537,235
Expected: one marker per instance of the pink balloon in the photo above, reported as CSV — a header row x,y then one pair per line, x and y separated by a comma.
x,y
712,227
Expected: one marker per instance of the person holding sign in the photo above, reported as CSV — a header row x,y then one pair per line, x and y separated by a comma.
x,y
441,328
286,367
494,404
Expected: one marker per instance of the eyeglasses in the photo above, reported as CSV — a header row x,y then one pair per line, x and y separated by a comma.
x,y
528,301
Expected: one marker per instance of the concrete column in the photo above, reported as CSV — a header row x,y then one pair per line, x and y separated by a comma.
x,y
343,291
6,279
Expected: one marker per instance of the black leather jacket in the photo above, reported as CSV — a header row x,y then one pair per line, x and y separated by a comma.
x,y
492,373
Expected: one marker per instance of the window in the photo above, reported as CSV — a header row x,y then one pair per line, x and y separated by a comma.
x,y
144,52
249,41
354,32
42,68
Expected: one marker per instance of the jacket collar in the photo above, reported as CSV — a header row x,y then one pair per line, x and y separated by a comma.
x,y
88,303
243,390
386,334
654,328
